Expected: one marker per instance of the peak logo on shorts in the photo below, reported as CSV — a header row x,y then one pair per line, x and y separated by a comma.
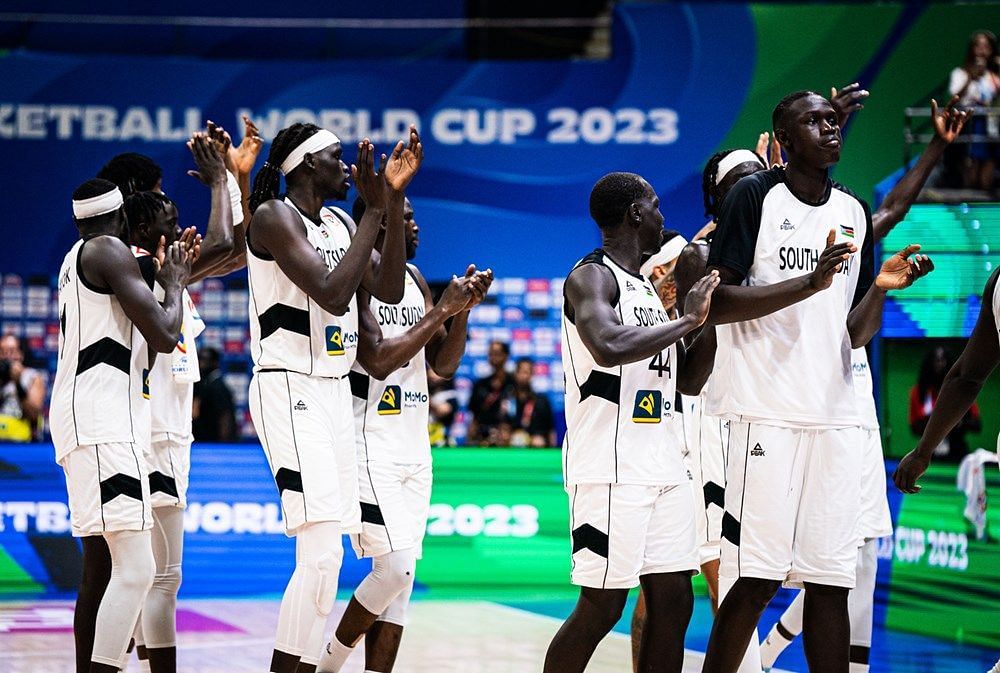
x,y
334,340
145,384
757,450
389,403
648,404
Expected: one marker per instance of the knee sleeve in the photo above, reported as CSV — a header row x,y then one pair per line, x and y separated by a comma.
x,y
396,612
327,567
861,602
132,570
312,590
391,574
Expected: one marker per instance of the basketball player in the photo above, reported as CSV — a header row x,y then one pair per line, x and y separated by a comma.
x,y
631,507
108,314
785,249
397,342
305,263
876,520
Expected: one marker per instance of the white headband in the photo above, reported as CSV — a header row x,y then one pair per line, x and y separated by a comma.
x,y
734,159
314,143
670,251
98,205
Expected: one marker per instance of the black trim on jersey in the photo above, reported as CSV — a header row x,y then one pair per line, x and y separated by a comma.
x,y
714,494
371,513
735,241
602,384
731,528
595,257
105,351
588,537
859,654
120,484
288,480
259,255
79,272
866,274
147,269
283,316
359,384
162,483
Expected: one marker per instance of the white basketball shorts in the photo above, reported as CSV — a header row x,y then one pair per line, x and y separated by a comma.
x,y
108,489
395,499
793,500
169,468
306,426
623,531
708,441
876,520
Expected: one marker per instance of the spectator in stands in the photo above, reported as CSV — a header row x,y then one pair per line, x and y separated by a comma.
x,y
214,418
443,405
22,393
977,83
488,394
529,413
923,396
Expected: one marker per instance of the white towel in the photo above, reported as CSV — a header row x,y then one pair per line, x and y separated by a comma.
x,y
184,359
972,481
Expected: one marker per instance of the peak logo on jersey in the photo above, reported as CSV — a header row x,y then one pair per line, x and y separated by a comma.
x,y
847,231
757,450
334,340
786,225
145,383
629,286
648,404
389,403
301,406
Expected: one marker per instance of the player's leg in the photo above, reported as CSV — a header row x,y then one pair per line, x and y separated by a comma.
x,y
139,642
638,629
596,613
763,475
861,607
826,628
96,575
159,614
785,630
383,638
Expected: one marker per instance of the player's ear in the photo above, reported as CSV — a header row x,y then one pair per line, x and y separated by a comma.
x,y
781,135
635,213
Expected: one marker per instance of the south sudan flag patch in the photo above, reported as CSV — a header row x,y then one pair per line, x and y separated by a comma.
x,y
847,231
648,406
389,403
334,340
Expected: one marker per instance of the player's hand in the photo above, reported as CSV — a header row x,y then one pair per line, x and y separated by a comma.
x,y
404,162
774,155
480,285
900,272
371,186
244,156
191,240
847,101
176,267
948,124
910,469
456,296
762,142
211,169
830,262
699,297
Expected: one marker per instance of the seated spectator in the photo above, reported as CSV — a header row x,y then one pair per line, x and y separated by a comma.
x,y
923,396
443,405
529,414
488,394
214,418
22,393
977,83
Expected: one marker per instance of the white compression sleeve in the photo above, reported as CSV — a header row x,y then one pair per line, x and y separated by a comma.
x,y
391,574
396,612
159,614
311,592
861,605
132,570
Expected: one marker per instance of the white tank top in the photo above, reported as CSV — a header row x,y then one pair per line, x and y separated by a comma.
x,y
617,418
392,415
101,367
288,330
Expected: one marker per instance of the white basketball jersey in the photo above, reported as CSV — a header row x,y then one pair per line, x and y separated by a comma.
x,y
617,418
391,416
996,305
288,330
864,389
792,367
101,368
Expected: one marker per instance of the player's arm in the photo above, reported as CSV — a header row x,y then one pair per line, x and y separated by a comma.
x,y
961,386
217,245
278,231
897,273
384,277
947,125
107,262
700,344
590,293
447,346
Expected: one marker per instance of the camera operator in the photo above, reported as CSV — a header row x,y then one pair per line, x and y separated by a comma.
x,y
22,393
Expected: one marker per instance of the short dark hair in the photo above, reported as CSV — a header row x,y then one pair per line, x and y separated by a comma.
x,y
612,195
132,172
780,114
143,206
267,182
503,346
91,188
522,361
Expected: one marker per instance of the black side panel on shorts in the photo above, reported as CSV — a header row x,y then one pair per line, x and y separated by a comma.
x,y
359,384
715,494
120,484
731,528
161,483
372,514
588,537
288,480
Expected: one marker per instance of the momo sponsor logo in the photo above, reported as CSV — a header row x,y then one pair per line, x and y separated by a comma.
x,y
334,340
648,405
145,384
389,404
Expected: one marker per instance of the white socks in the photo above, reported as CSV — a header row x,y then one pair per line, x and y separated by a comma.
x,y
334,656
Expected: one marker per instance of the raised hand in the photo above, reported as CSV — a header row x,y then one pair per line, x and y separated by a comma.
x,y
371,186
176,268
480,285
847,101
456,296
762,141
244,156
900,272
910,469
211,168
190,239
699,297
774,156
830,262
948,124
404,162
